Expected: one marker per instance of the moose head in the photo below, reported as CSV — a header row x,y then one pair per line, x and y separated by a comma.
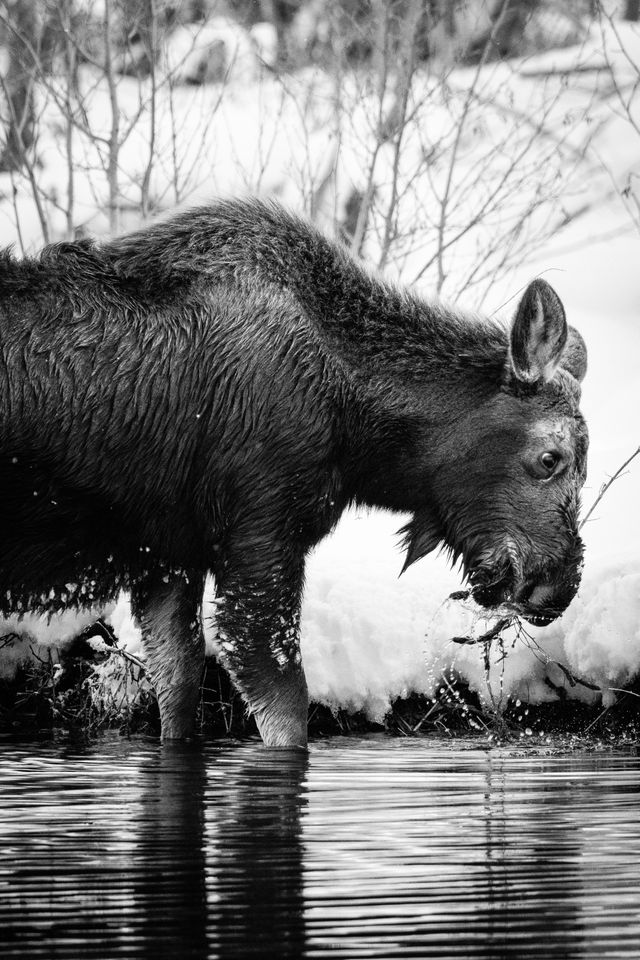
x,y
506,471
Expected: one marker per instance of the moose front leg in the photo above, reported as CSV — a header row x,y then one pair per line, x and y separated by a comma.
x,y
258,632
167,609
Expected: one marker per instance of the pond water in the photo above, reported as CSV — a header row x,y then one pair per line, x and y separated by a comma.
x,y
366,848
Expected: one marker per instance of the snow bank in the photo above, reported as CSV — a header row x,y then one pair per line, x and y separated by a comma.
x,y
21,636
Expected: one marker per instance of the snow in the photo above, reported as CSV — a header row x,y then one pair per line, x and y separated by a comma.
x,y
368,635
46,630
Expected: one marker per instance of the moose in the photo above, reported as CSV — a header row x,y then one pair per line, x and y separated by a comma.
x,y
208,394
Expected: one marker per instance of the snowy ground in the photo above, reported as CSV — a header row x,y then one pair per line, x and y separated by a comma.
x,y
368,635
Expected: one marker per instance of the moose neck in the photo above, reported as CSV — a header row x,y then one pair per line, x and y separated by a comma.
x,y
413,369
381,330
375,328
397,428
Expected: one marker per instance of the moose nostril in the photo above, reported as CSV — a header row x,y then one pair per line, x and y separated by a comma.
x,y
535,595
541,596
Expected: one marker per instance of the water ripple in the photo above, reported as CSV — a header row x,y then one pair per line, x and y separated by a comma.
x,y
367,848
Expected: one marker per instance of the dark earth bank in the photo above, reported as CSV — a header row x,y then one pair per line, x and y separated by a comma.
x,y
67,690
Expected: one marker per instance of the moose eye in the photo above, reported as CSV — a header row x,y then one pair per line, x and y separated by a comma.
x,y
549,461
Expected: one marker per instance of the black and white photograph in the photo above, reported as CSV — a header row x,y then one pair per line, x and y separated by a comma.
x,y
319,479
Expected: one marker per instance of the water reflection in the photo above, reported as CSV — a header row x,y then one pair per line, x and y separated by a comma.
x,y
531,872
370,848
169,895
472,854
256,858
218,859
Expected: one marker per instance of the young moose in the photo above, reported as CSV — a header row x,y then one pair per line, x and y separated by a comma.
x,y
210,393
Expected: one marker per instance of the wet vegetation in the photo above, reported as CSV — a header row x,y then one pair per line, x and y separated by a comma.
x,y
94,685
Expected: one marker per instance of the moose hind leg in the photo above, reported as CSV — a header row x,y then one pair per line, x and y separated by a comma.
x,y
168,613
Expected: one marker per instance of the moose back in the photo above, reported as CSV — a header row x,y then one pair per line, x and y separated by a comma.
x,y
209,394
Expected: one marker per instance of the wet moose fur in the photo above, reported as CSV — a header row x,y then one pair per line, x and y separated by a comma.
x,y
210,393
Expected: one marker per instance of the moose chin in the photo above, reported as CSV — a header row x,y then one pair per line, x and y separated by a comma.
x,y
209,394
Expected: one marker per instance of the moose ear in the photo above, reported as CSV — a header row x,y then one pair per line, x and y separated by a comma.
x,y
422,535
538,335
574,358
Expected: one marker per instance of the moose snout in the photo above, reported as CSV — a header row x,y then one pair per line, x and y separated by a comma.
x,y
539,602
545,596
538,598
539,590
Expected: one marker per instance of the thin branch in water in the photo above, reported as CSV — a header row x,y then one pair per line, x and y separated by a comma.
x,y
597,719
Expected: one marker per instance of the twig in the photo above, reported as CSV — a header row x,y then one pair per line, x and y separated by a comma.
x,y
605,487
620,690
129,656
597,719
490,634
8,639
564,71
571,677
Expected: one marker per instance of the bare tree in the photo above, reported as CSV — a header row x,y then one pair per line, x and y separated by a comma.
x,y
453,180
76,99
430,172
18,82
624,75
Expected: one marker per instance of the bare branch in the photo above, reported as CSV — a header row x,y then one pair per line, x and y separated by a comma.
x,y
605,486
114,145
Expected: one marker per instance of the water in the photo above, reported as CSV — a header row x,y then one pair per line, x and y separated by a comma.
x,y
367,848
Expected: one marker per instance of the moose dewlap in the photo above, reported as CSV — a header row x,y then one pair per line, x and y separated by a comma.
x,y
211,392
